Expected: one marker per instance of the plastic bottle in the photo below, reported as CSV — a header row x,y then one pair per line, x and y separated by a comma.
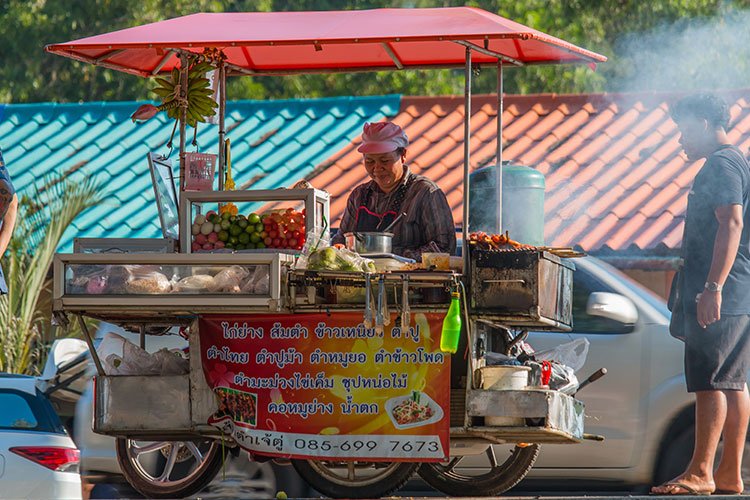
x,y
451,332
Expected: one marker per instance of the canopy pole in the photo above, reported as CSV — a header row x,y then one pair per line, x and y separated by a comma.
x,y
499,150
183,124
467,153
222,133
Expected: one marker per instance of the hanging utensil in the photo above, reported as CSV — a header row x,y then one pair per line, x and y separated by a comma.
x,y
405,309
386,312
379,320
368,299
394,222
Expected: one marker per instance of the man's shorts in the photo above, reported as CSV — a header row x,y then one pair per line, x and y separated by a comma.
x,y
717,357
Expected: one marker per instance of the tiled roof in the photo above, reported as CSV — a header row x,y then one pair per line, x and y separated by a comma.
x,y
615,175
274,143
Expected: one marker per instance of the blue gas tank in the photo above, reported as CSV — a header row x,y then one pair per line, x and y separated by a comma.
x,y
523,202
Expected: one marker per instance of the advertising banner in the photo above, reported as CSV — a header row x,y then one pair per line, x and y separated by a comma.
x,y
324,386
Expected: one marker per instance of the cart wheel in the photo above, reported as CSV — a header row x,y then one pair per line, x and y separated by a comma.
x,y
169,469
349,479
498,479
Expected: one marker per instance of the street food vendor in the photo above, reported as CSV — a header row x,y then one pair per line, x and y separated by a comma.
x,y
394,189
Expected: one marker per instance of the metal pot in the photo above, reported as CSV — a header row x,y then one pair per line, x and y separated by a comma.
x,y
369,242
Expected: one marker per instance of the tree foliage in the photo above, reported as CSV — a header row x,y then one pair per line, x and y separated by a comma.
x,y
639,38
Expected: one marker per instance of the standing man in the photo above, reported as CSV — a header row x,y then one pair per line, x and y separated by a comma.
x,y
8,210
716,295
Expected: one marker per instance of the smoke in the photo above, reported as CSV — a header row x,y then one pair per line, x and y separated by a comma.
x,y
692,54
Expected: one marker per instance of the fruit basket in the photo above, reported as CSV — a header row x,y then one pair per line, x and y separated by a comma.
x,y
261,220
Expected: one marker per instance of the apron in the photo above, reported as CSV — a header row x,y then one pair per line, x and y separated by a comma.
x,y
369,221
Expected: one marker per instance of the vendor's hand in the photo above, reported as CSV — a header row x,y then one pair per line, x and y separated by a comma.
x,y
709,308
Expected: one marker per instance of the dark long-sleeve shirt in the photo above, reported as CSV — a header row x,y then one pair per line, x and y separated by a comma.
x,y
427,226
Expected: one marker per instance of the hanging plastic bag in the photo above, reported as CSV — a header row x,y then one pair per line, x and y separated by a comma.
x,y
572,354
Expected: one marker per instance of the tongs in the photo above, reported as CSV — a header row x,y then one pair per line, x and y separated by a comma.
x,y
405,309
379,316
368,300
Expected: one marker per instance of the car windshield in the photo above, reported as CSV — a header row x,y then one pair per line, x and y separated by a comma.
x,y
21,411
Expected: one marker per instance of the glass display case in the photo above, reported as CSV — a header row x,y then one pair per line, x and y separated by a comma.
x,y
173,284
268,220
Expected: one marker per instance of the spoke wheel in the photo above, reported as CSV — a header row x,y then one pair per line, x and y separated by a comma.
x,y
493,478
169,469
353,479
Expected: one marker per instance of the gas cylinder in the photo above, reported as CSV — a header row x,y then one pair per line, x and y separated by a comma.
x,y
523,202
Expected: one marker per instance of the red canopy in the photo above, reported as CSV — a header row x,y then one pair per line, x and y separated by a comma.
x,y
326,41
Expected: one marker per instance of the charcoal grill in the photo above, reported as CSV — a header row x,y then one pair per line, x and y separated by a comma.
x,y
523,288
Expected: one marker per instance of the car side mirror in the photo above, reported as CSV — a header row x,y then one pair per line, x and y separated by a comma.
x,y
612,306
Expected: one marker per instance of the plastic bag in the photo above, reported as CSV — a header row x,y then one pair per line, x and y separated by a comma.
x,y
314,241
122,357
137,280
258,283
196,283
572,354
230,279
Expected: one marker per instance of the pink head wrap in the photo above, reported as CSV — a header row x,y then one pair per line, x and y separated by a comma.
x,y
382,137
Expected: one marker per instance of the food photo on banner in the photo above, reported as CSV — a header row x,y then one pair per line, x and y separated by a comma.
x,y
325,386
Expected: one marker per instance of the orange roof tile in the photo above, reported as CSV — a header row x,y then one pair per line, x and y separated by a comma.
x,y
615,173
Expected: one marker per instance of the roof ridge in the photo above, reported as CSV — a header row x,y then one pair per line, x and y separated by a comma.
x,y
88,104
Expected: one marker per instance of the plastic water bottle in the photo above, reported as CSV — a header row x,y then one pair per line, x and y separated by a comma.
x,y
451,332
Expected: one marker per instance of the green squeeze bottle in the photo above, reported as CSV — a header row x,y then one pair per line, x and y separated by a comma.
x,y
451,332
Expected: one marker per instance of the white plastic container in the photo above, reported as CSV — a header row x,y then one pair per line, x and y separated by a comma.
x,y
504,378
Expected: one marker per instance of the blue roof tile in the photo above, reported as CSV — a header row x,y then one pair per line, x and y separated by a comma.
x,y
274,142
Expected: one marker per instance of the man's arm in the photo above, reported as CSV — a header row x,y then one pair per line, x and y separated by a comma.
x,y
726,244
8,211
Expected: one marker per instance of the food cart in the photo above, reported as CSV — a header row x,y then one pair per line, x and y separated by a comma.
x,y
335,367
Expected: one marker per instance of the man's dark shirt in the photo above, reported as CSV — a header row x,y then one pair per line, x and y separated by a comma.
x,y
723,180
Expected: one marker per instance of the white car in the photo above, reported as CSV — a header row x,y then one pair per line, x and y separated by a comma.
x,y
38,460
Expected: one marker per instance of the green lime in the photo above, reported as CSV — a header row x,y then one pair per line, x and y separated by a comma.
x,y
259,227
255,237
235,229
251,246
223,236
239,246
226,215
234,240
225,224
242,223
229,246
253,218
233,219
260,244
244,238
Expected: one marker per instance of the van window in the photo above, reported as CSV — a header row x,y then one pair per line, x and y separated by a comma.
x,y
584,284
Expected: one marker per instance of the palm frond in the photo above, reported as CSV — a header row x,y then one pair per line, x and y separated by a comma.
x,y
43,218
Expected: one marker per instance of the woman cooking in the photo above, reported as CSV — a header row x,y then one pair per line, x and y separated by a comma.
x,y
372,206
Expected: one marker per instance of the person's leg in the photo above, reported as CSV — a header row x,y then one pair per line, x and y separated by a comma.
x,y
728,475
710,415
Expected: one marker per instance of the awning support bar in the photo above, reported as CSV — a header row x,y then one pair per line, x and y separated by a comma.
x,y
490,53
